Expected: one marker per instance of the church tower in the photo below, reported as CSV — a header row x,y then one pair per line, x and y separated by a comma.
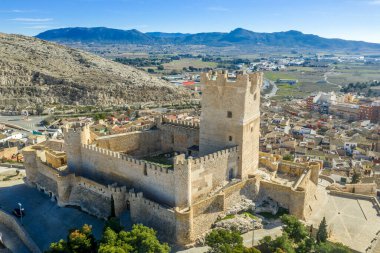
x,y
231,117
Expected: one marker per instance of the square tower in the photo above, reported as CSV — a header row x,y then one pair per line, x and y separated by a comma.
x,y
231,117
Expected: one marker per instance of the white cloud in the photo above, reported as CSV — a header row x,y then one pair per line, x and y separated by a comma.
x,y
35,20
217,8
38,27
15,11
374,2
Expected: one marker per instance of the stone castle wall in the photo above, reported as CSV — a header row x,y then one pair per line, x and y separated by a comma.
x,y
154,215
178,136
109,167
210,171
137,144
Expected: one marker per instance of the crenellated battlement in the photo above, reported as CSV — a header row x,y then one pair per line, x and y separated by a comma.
x,y
93,186
213,156
76,127
180,123
114,189
139,196
220,78
128,160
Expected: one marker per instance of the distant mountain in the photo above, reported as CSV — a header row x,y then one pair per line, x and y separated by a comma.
x,y
34,72
237,37
96,34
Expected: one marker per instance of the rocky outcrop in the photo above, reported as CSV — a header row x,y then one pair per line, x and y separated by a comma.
x,y
241,223
33,71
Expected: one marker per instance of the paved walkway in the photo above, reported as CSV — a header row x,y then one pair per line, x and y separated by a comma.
x,y
247,239
353,222
44,220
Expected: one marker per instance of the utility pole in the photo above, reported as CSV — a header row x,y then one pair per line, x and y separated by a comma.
x,y
21,212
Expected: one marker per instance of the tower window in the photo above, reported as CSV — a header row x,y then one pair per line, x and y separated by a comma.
x,y
255,96
229,114
230,138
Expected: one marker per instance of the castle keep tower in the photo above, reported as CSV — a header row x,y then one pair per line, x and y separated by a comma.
x,y
75,135
231,117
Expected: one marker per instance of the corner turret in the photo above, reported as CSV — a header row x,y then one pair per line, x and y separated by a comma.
x,y
75,136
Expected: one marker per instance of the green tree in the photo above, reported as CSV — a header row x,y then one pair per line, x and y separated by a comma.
x,y
81,241
282,244
143,239
113,242
113,213
58,247
221,241
288,157
355,177
251,250
114,224
39,109
322,231
329,247
140,239
306,245
294,228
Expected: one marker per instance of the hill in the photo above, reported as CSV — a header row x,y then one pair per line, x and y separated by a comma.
x,y
33,71
238,37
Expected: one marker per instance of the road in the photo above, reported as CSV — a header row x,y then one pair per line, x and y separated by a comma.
x,y
29,124
326,75
274,90
44,220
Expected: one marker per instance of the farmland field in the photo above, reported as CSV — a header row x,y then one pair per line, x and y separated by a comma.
x,y
325,79
185,63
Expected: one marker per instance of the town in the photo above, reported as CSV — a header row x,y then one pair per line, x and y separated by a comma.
x,y
189,126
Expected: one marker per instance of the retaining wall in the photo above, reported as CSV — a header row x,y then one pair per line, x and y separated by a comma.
x,y
15,226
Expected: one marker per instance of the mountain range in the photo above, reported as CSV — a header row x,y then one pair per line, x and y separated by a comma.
x,y
237,37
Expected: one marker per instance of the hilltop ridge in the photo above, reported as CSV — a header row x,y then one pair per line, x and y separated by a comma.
x,y
237,37
33,71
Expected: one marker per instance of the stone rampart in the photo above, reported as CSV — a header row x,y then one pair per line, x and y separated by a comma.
x,y
361,188
211,170
180,123
108,167
154,215
137,144
177,137
15,226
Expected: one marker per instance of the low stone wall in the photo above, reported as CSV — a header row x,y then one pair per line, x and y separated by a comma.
x,y
14,225
358,196
12,165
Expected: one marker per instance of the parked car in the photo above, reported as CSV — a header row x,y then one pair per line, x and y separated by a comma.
x,y
18,213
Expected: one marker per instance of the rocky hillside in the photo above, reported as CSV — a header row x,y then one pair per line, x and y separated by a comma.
x,y
33,71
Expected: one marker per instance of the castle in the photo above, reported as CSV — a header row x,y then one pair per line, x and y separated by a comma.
x,y
213,165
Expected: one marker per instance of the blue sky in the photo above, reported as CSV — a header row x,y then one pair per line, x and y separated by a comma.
x,y
348,19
